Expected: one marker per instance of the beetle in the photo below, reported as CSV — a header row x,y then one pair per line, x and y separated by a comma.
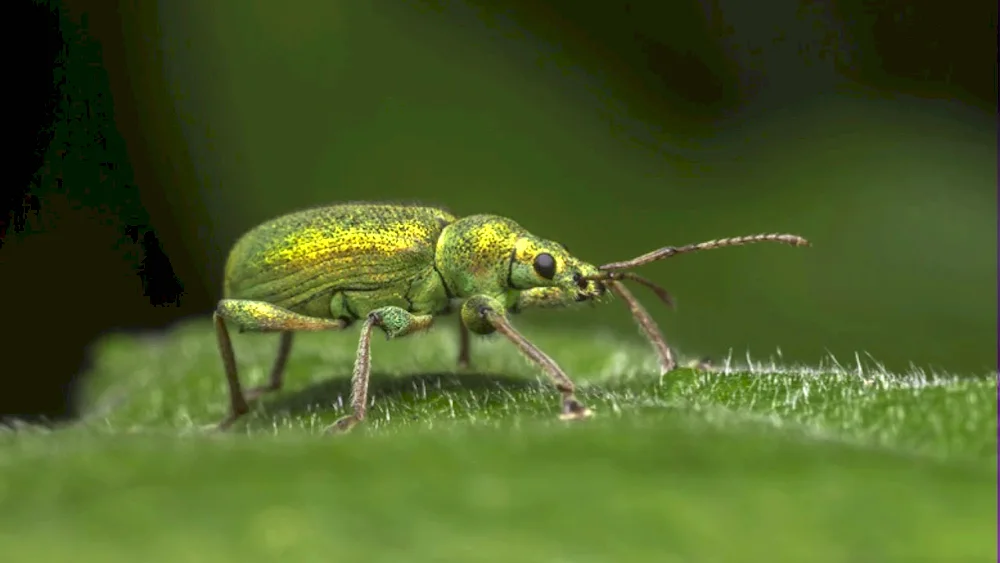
x,y
397,268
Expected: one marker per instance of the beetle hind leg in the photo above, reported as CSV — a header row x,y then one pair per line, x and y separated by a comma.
x,y
258,316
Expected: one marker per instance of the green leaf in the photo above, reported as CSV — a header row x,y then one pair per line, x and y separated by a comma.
x,y
750,464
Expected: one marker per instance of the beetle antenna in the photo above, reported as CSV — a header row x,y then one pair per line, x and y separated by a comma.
x,y
669,251
660,292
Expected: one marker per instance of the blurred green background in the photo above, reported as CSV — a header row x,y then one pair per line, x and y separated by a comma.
x,y
783,120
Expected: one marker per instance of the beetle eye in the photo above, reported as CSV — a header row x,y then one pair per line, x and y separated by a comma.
x,y
545,265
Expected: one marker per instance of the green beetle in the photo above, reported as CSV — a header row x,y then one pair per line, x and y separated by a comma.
x,y
397,268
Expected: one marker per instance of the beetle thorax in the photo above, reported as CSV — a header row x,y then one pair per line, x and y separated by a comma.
x,y
473,254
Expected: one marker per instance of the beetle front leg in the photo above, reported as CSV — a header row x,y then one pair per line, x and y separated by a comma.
x,y
648,326
395,323
553,297
258,316
485,315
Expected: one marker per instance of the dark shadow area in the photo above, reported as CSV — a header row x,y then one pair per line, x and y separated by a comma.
x,y
78,253
321,396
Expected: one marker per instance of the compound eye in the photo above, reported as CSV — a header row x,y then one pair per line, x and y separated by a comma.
x,y
545,266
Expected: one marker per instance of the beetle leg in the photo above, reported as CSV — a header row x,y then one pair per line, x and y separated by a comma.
x,y
258,316
395,323
551,297
484,315
464,346
277,377
648,326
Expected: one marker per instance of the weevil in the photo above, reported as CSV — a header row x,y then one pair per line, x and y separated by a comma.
x,y
397,268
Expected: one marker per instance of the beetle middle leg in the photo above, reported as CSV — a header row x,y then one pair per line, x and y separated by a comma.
x,y
464,345
277,377
552,297
395,322
485,315
258,316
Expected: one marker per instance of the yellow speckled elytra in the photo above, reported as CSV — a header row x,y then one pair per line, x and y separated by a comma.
x,y
397,268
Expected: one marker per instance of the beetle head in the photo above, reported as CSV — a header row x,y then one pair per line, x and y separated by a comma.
x,y
537,262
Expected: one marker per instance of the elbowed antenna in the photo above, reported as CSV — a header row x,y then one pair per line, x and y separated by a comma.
x,y
663,294
669,251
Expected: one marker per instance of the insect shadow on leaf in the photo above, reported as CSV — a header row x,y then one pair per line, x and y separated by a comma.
x,y
324,396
